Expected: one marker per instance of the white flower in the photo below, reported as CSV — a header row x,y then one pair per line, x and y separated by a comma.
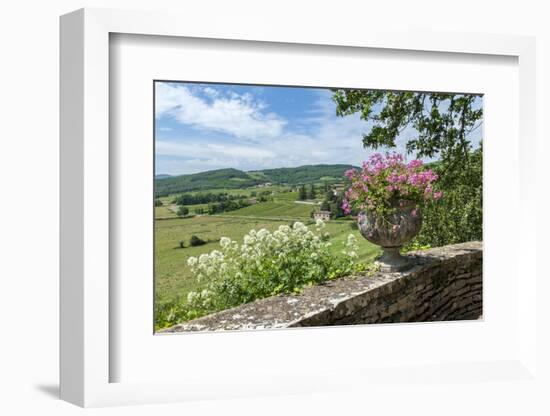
x,y
224,242
319,223
299,226
263,233
192,261
216,255
284,228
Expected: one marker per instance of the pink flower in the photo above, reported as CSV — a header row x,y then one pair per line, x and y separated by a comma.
x,y
350,173
346,207
382,178
413,164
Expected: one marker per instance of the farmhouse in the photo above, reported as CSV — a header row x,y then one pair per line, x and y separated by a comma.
x,y
321,215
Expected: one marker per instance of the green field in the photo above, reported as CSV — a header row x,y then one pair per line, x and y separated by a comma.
x,y
281,209
163,212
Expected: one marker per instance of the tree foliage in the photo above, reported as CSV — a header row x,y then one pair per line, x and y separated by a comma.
x,y
182,211
312,193
302,193
458,216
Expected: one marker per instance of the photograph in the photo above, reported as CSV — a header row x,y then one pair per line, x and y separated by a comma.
x,y
288,206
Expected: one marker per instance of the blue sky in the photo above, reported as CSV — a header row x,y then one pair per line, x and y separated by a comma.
x,y
202,127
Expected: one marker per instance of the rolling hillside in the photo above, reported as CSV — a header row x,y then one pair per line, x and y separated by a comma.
x,y
234,178
213,179
304,174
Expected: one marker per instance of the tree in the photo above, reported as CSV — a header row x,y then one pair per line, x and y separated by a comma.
x,y
182,211
442,124
311,193
302,193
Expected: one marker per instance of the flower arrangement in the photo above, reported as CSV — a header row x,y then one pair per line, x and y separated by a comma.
x,y
385,181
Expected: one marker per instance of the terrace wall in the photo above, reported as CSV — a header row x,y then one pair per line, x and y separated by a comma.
x,y
444,285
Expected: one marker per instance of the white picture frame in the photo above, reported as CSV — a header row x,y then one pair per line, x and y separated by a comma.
x,y
86,355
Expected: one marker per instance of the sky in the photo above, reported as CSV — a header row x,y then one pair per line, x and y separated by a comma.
x,y
201,127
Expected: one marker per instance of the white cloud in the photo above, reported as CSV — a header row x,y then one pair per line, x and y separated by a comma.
x,y
238,115
211,92
210,150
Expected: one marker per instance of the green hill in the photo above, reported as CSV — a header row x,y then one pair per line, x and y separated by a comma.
x,y
213,179
304,174
234,178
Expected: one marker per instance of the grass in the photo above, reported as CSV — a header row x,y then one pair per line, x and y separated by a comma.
x,y
281,209
164,212
286,196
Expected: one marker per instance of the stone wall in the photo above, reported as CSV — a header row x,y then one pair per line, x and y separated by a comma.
x,y
444,285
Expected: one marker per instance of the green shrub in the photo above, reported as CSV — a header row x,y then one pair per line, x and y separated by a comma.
x,y
182,211
196,241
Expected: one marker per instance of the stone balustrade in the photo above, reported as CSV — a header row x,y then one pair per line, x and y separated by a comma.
x,y
444,285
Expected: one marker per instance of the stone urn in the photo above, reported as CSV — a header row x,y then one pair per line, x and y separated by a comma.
x,y
391,233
